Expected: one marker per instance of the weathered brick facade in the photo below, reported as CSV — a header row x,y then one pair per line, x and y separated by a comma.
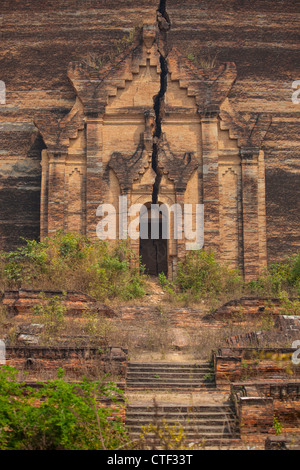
x,y
151,124
258,403
242,364
23,301
43,362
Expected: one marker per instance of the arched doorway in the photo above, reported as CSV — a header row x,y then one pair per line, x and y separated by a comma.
x,y
153,246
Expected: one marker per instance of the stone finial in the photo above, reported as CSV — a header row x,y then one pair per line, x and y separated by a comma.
x,y
149,34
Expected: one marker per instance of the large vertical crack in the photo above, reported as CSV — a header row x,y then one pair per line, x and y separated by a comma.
x,y
158,109
162,10
163,24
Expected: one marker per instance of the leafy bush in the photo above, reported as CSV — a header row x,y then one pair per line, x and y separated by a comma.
x,y
277,426
57,416
162,279
72,262
52,313
202,274
283,276
167,436
290,307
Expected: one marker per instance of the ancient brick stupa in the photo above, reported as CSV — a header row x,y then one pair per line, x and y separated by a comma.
x,y
155,126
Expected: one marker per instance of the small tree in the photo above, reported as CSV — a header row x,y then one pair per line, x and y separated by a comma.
x,y
58,416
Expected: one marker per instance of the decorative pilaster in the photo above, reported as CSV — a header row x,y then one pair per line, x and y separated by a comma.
x,y
211,200
249,159
56,191
44,195
94,172
56,132
250,135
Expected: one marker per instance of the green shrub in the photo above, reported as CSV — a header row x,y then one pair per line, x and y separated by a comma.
x,y
293,275
201,274
290,307
277,426
72,262
278,277
58,416
51,311
162,279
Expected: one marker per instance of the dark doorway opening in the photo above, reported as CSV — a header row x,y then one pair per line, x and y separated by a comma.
x,y
154,252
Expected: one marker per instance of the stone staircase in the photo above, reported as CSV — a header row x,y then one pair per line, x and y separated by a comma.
x,y
205,425
169,376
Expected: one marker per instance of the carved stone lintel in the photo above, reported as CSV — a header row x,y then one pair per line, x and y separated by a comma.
x,y
250,134
209,86
179,168
129,168
57,131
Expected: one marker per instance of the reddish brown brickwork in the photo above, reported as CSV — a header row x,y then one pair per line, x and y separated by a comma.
x,y
116,102
282,443
258,404
23,301
249,307
40,362
260,37
153,123
240,364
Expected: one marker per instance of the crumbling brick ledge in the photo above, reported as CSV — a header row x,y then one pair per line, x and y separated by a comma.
x,y
249,307
38,361
257,404
23,301
239,364
282,443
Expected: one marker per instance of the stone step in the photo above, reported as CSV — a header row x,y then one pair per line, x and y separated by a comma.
x,y
186,422
190,414
167,377
171,368
183,415
169,365
225,408
202,443
212,439
211,424
168,373
194,430
169,386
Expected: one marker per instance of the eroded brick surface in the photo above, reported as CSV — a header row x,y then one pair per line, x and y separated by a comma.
x,y
41,362
23,301
260,406
222,132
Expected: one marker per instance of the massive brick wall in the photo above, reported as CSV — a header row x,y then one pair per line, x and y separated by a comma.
x,y
262,38
39,39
